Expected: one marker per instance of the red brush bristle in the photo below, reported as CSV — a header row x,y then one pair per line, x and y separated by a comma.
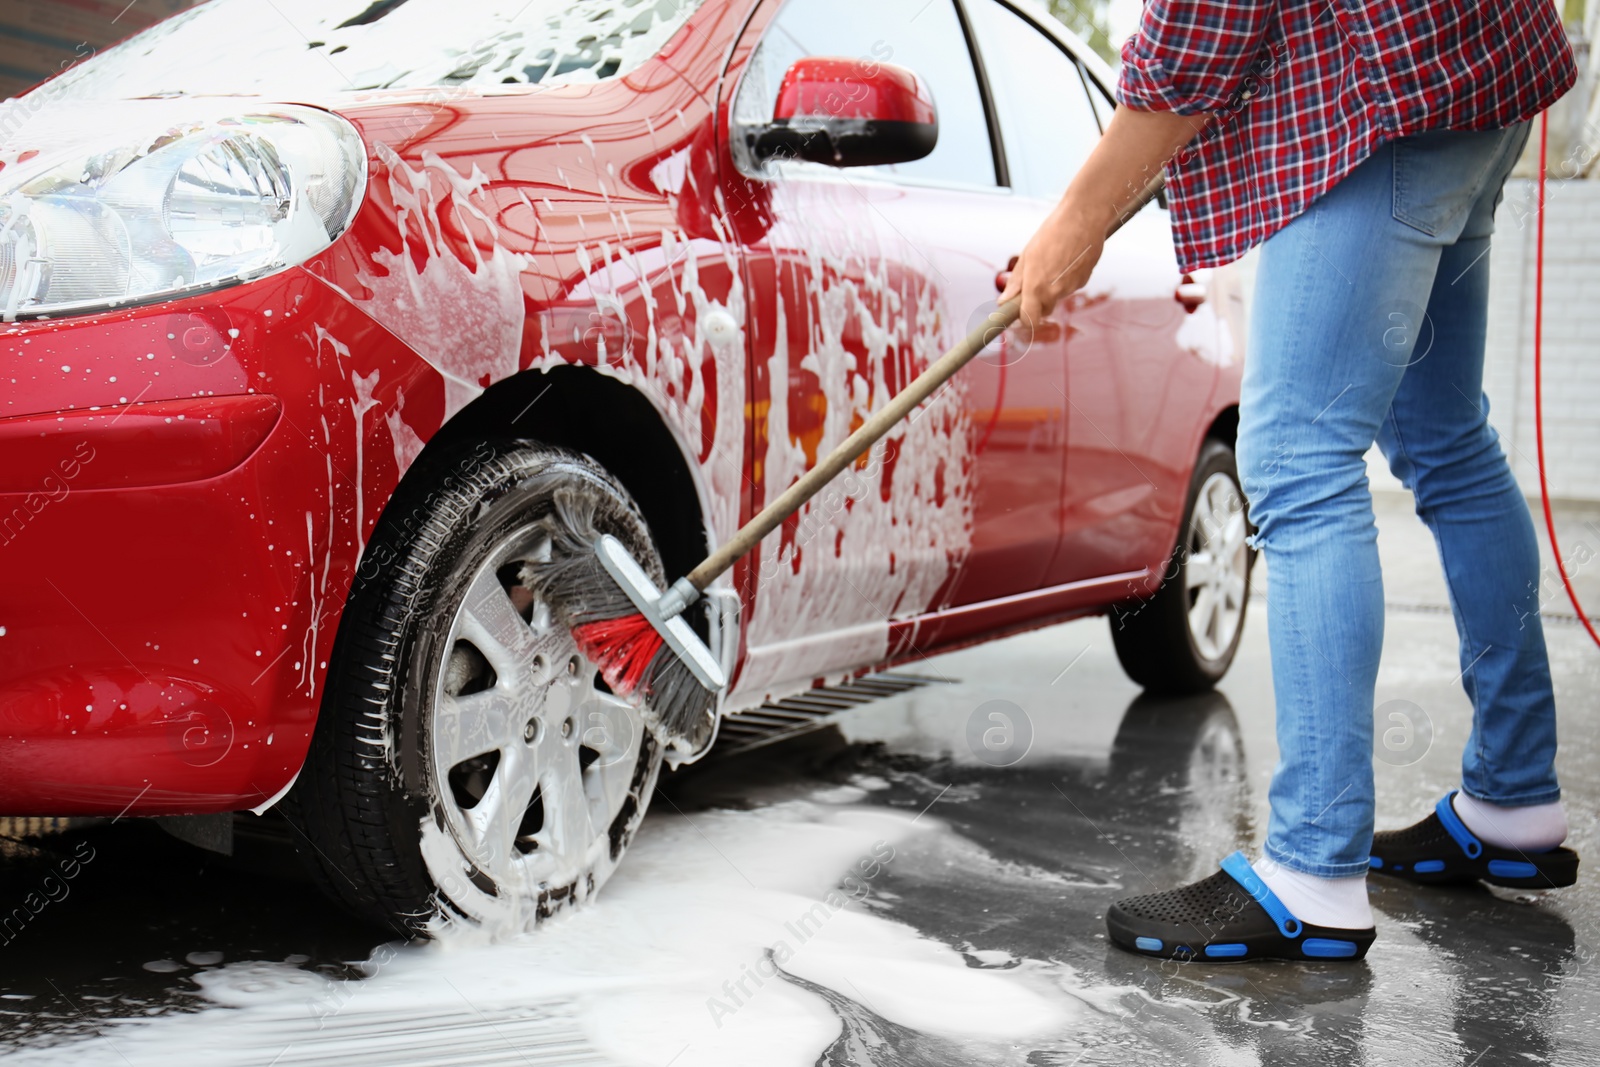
x,y
621,648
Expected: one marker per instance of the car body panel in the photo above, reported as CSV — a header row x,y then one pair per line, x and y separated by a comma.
x,y
163,646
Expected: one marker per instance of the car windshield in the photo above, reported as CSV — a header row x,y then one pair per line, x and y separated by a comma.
x,y
305,48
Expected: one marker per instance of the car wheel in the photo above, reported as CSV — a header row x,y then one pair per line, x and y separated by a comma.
x,y
469,762
1183,639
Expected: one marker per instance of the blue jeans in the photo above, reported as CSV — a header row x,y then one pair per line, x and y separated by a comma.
x,y
1368,325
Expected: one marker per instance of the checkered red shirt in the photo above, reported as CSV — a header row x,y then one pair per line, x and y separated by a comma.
x,y
1304,90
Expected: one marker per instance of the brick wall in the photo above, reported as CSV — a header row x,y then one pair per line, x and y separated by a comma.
x,y
38,38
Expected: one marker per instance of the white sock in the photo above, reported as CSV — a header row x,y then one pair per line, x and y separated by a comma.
x,y
1535,828
1339,903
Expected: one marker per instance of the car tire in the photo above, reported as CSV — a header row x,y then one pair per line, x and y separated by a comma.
x,y
1183,639
468,763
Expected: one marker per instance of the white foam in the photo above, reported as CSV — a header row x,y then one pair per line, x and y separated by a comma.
x,y
691,321
245,985
481,337
300,49
647,975
842,794
407,443
869,549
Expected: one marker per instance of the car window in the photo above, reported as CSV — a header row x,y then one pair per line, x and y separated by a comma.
x,y
296,48
1046,121
1104,103
923,35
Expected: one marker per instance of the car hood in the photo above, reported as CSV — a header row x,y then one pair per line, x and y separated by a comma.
x,y
38,130
292,47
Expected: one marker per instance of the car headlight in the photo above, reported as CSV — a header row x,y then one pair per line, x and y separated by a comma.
x,y
197,206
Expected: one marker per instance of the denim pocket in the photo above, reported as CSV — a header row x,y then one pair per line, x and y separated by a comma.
x,y
1439,174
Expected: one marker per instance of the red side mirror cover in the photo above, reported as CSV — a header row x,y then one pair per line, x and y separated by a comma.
x,y
825,87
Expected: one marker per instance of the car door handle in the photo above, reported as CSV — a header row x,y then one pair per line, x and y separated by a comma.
x,y
1003,278
1190,293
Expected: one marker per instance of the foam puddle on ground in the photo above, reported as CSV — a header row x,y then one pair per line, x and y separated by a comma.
x,y
675,963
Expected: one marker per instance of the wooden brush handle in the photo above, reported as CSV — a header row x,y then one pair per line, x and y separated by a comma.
x,y
881,422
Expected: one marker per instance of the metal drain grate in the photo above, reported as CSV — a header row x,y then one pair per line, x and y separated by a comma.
x,y
802,713
334,1026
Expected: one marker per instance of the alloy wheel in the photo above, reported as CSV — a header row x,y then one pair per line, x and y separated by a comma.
x,y
532,758
1216,572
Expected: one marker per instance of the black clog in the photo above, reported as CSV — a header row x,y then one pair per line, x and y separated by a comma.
x,y
1230,917
1440,850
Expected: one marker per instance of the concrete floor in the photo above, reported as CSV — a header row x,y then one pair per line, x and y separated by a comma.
x,y
1116,794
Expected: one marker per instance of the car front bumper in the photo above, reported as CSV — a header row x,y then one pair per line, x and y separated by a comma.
x,y
178,532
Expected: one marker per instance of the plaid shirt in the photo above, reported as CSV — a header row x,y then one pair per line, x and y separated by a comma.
x,y
1304,90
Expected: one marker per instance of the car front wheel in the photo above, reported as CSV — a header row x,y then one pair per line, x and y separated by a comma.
x,y
1183,639
469,762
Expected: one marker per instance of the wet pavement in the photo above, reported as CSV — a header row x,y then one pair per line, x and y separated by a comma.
x,y
972,856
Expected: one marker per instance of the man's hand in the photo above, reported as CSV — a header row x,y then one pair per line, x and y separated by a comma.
x,y
1060,257
1056,264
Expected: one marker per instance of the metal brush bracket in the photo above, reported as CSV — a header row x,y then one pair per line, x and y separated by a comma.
x,y
710,663
677,634
722,619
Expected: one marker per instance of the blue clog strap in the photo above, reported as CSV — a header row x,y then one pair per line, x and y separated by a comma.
x,y
1238,868
1456,828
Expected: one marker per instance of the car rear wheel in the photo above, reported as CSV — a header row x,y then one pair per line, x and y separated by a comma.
x,y
469,762
1183,639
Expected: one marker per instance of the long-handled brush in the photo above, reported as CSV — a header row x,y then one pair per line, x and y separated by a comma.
x,y
636,634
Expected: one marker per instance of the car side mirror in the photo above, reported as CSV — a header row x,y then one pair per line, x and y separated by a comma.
x,y
848,113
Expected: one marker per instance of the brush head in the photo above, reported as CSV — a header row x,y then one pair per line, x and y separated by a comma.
x,y
683,705
647,601
621,648
637,663
610,605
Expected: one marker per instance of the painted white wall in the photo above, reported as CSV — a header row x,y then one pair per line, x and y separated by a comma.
x,y
1571,334
1571,338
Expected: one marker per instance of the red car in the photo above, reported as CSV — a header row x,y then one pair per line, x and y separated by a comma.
x,y
328,320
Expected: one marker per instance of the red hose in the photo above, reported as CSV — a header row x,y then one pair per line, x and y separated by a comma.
x,y
1538,383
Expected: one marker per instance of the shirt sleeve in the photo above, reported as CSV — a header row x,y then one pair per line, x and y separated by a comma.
x,y
1190,56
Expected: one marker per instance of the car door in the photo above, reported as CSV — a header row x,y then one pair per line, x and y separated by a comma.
x,y
1141,356
859,278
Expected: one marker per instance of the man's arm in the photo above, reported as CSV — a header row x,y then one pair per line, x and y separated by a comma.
x,y
1059,258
